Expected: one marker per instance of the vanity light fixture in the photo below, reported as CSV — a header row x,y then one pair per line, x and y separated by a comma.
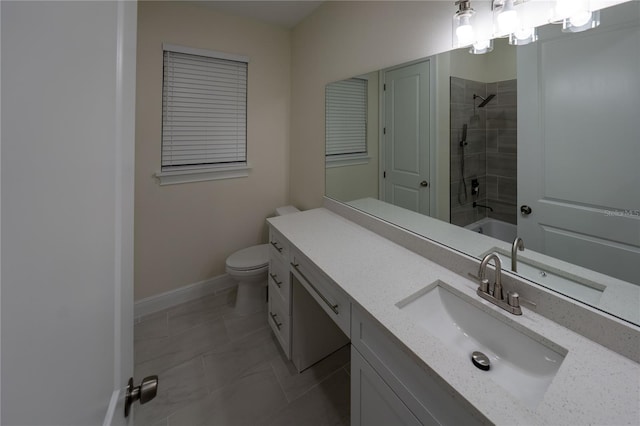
x,y
505,17
581,22
523,36
481,47
463,31
575,15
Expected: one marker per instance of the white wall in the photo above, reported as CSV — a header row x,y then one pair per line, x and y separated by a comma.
x,y
183,233
66,209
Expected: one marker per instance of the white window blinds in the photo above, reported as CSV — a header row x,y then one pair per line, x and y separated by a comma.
x,y
204,108
346,117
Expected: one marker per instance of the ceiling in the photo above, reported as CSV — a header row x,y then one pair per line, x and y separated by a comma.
x,y
283,13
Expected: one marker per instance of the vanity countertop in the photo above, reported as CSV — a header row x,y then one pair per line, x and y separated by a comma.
x,y
594,385
618,297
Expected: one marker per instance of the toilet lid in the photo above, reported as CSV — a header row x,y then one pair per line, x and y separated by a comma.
x,y
250,258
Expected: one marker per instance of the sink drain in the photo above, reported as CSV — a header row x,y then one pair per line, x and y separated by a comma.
x,y
481,361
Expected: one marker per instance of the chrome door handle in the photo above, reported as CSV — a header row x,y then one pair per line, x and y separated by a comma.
x,y
275,321
275,244
333,307
424,183
147,390
273,277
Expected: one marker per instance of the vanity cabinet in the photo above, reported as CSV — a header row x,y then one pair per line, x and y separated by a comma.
x,y
373,402
308,313
326,293
279,290
385,378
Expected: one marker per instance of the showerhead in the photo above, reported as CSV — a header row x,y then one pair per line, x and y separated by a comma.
x,y
485,101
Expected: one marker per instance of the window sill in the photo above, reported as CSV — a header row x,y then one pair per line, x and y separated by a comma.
x,y
347,160
200,174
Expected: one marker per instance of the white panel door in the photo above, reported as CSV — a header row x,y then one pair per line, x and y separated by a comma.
x,y
580,174
68,100
406,137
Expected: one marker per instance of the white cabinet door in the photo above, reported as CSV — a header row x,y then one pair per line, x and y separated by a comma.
x,y
372,400
68,112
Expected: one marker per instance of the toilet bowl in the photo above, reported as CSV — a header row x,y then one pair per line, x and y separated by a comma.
x,y
249,267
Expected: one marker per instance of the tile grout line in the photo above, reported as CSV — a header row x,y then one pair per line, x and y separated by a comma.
x,y
337,370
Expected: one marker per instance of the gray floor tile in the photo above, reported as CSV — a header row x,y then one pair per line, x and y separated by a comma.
x,y
219,368
177,387
205,309
295,384
151,328
240,326
158,355
228,363
325,404
250,400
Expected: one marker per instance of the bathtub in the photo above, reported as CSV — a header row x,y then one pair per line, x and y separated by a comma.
x,y
495,228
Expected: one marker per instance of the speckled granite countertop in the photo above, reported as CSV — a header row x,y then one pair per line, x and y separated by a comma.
x,y
618,297
594,385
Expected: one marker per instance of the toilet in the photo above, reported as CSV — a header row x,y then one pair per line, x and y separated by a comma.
x,y
249,268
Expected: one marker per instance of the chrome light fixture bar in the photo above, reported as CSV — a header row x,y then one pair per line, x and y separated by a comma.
x,y
512,21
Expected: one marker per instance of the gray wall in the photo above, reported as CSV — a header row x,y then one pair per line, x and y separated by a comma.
x,y
490,155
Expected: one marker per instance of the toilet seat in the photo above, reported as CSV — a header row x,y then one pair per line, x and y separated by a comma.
x,y
249,259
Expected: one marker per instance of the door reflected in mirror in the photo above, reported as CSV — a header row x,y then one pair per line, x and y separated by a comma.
x,y
548,128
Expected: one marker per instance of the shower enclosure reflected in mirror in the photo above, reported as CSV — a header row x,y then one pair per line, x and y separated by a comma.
x,y
538,141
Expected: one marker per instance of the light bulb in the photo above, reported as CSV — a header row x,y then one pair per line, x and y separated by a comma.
x,y
580,18
507,18
463,31
481,45
465,34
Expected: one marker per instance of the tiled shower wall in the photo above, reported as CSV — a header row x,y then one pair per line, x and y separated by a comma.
x,y
490,155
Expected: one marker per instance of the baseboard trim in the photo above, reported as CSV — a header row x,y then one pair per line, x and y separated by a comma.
x,y
153,304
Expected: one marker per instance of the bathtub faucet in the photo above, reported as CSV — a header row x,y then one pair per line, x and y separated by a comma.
x,y
480,205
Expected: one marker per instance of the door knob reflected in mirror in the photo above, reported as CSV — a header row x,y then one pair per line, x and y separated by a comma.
x,y
525,210
424,183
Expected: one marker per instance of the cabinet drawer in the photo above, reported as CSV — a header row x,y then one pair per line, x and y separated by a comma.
x,y
328,295
279,246
280,323
428,397
279,282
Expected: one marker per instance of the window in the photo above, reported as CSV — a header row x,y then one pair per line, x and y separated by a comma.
x,y
346,122
204,115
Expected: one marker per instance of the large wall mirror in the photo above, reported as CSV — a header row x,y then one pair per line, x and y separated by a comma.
x,y
540,142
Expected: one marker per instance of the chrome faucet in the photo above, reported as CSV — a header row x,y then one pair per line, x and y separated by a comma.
x,y
497,287
518,244
495,294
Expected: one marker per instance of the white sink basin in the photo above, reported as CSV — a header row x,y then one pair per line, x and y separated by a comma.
x,y
520,362
568,284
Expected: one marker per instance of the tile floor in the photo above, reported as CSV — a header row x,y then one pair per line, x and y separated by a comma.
x,y
218,368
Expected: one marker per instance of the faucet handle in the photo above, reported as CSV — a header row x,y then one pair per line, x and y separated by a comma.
x,y
513,299
484,285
